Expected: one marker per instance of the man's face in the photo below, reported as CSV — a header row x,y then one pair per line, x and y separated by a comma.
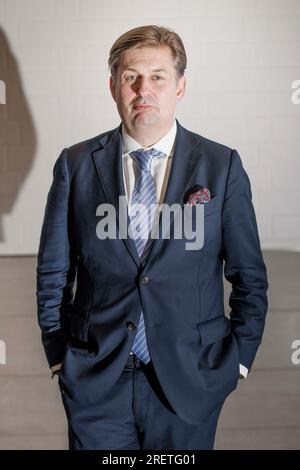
x,y
146,89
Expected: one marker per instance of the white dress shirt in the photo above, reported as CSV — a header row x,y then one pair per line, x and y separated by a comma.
x,y
160,167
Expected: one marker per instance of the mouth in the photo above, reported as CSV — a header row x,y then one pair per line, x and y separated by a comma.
x,y
143,106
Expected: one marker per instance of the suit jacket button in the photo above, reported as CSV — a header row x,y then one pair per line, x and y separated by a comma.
x,y
145,279
131,326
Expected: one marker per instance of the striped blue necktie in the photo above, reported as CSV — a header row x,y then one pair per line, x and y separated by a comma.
x,y
144,193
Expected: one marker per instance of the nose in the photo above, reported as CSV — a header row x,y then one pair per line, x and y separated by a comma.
x,y
142,85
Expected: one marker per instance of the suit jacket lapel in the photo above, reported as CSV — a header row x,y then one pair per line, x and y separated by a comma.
x,y
108,161
184,165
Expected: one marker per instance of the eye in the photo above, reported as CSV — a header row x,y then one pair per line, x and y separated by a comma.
x,y
129,78
158,77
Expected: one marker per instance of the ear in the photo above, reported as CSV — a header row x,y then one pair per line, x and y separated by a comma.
x,y
181,87
112,87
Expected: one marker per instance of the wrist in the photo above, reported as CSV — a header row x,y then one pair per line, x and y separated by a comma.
x,y
54,373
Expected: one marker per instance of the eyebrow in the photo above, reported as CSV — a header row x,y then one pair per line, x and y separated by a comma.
x,y
134,70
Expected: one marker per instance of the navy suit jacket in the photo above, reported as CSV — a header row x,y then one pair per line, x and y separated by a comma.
x,y
195,348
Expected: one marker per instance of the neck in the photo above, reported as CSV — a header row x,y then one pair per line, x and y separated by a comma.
x,y
148,137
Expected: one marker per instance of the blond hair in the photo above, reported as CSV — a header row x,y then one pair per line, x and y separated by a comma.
x,y
148,36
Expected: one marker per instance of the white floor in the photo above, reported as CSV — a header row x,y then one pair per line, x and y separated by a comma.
x,y
263,413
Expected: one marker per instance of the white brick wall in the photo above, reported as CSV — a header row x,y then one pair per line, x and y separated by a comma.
x,y
243,56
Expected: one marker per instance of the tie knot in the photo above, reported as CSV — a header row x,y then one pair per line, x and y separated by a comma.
x,y
144,157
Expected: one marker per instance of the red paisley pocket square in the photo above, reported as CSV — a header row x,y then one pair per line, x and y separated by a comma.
x,y
202,196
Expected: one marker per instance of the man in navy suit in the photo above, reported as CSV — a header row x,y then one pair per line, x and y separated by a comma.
x,y
144,353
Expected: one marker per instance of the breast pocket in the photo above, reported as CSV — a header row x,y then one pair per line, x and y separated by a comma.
x,y
199,222
201,211
212,206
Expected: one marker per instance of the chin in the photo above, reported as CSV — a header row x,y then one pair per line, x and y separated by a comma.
x,y
144,120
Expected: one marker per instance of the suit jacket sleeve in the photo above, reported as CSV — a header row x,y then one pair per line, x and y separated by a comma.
x,y
244,265
56,267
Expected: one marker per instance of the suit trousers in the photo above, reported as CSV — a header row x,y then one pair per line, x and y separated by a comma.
x,y
135,415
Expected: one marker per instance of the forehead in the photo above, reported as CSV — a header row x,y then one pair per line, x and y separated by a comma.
x,y
156,57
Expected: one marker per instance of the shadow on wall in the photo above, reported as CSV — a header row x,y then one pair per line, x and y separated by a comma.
x,y
17,133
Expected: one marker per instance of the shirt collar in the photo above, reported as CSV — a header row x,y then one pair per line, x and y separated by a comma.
x,y
165,144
